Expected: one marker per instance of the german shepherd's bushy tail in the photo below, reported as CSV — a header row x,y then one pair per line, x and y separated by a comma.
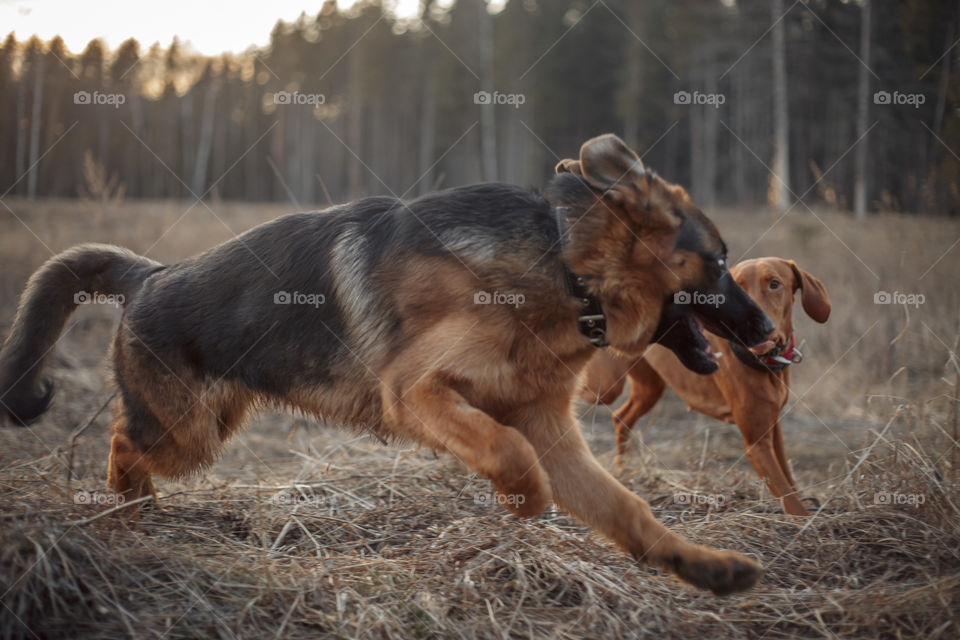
x,y
52,293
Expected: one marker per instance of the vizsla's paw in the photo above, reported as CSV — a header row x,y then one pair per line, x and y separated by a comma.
x,y
796,507
722,572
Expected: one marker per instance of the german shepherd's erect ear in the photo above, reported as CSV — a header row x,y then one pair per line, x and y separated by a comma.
x,y
568,165
611,167
609,164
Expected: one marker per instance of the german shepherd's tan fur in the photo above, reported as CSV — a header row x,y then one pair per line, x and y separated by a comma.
x,y
400,344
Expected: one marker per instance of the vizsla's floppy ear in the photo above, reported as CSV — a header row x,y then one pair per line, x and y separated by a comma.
x,y
813,295
568,165
607,163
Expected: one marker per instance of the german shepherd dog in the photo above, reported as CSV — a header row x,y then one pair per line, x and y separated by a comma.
x,y
390,315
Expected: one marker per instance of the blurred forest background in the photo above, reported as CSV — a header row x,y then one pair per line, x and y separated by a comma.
x,y
795,105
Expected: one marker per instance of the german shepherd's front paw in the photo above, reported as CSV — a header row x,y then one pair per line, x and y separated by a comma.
x,y
722,572
526,495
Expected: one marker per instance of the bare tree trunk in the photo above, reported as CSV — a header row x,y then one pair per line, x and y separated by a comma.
x,y
139,182
780,178
634,67
21,158
354,126
937,188
697,118
206,140
740,121
863,93
308,162
711,119
186,137
511,148
377,127
428,125
35,129
488,124
257,187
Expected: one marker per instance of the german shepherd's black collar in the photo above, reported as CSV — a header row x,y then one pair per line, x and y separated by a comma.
x,y
591,322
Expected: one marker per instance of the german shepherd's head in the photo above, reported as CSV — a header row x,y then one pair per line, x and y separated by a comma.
x,y
656,261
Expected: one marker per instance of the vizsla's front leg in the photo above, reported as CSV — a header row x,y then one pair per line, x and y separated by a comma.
x,y
759,435
585,489
646,389
782,456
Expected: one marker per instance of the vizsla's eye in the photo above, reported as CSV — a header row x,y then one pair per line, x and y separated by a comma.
x,y
774,284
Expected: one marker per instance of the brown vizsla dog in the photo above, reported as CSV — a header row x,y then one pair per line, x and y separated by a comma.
x,y
750,386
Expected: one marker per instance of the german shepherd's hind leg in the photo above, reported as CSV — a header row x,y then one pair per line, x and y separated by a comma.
x,y
170,424
585,489
127,474
432,412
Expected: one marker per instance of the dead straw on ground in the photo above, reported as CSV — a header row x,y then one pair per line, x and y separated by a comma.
x,y
360,540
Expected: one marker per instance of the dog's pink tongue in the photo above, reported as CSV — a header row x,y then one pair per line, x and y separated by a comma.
x,y
763,347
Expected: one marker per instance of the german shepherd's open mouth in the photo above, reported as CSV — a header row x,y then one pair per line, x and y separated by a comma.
x,y
716,304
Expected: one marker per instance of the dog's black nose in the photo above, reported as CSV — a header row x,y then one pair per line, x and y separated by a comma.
x,y
767,325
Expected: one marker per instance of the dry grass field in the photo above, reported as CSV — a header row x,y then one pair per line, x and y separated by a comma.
x,y
302,530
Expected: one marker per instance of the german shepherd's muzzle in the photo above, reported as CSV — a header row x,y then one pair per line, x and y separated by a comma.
x,y
459,320
716,302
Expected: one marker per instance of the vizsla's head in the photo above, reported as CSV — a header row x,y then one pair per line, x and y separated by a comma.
x,y
772,283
